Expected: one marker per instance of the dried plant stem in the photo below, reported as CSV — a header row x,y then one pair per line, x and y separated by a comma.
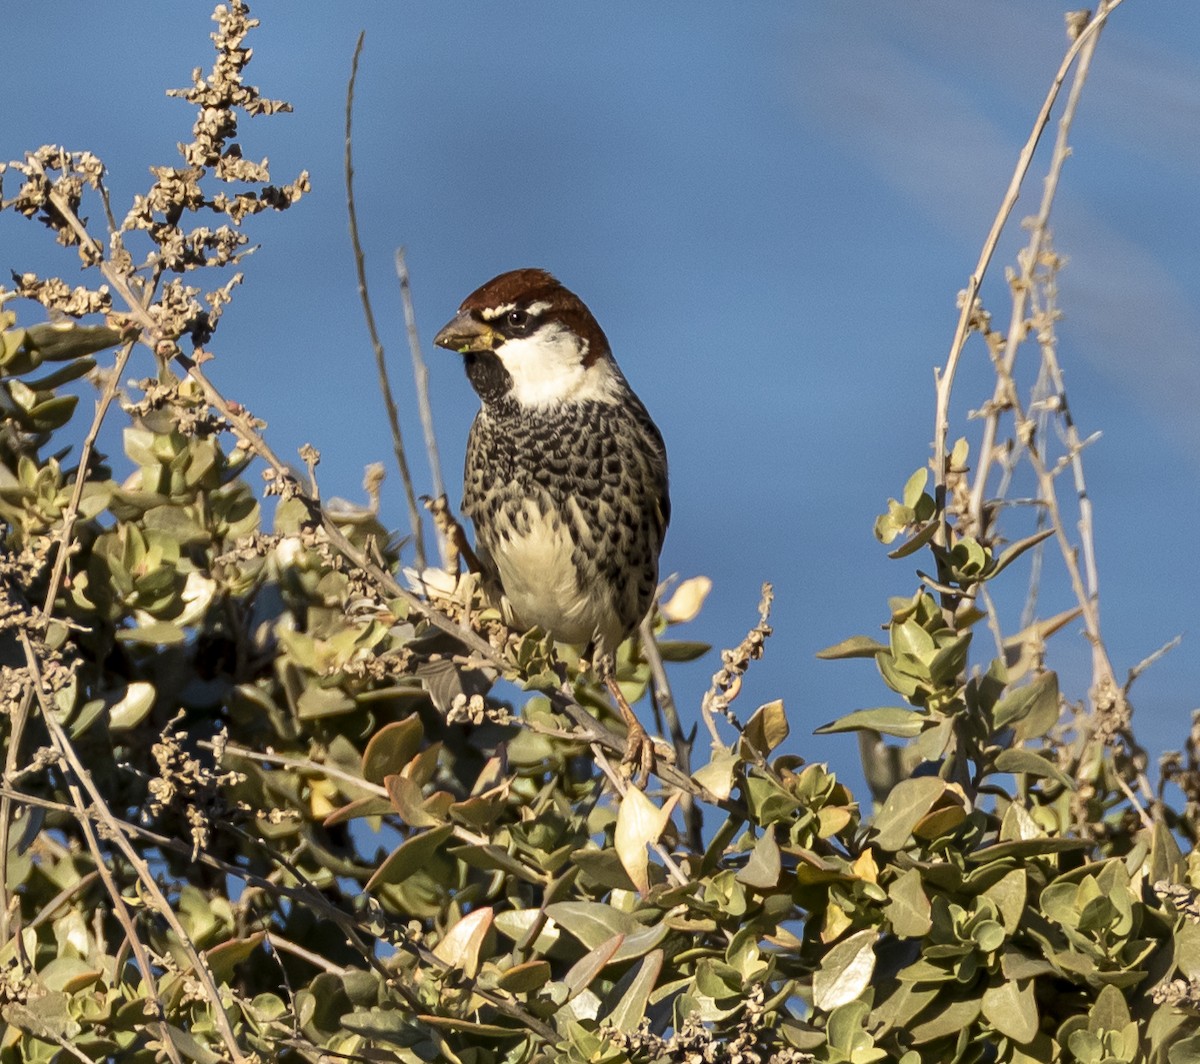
x,y
153,893
664,701
945,380
284,945
358,786
20,715
1022,288
421,382
385,386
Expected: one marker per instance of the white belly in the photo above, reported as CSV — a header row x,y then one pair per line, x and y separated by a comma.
x,y
541,583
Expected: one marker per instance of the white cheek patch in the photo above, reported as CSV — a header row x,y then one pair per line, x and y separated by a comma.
x,y
548,368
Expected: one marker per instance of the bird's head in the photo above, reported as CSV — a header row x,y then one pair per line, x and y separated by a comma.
x,y
526,338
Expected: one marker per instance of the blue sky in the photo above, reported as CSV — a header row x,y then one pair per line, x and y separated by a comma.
x,y
769,207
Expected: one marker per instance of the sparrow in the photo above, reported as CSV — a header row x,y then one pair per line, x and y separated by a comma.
x,y
566,473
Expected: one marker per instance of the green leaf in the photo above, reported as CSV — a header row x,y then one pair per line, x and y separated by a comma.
x,y
1011,1008
917,540
1109,1012
717,776
592,922
468,1027
1018,761
57,342
1165,862
523,978
409,857
682,650
909,638
908,908
581,974
1185,1052
1036,702
495,859
948,1019
372,805
1014,550
155,633
1008,895
410,802
316,702
763,869
845,970
391,748
908,802
950,660
62,376
857,646
603,866
890,720
629,1010
914,487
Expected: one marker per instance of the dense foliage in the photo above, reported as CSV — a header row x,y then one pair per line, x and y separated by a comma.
x,y
262,801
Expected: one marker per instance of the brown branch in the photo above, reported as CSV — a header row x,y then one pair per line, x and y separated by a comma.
x,y
421,381
385,386
1029,261
20,715
945,379
67,753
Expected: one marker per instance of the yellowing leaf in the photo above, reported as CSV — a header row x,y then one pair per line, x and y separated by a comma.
x,y
687,601
131,710
767,728
639,823
865,867
463,942
717,776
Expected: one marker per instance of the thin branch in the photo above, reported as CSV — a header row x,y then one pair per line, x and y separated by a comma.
x,y
151,890
70,515
966,312
1149,660
1031,257
385,386
120,909
421,381
664,700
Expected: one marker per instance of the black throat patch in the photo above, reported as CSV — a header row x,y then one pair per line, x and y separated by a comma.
x,y
491,381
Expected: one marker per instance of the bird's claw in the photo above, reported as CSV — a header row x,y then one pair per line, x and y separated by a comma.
x,y
638,760
639,748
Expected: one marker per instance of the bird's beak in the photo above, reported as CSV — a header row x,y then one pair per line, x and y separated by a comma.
x,y
465,333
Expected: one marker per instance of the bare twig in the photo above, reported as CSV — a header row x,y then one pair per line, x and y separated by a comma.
x,y
664,701
385,386
20,715
1030,258
1149,660
967,310
421,381
63,745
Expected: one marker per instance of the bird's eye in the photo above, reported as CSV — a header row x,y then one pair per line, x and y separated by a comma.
x,y
517,319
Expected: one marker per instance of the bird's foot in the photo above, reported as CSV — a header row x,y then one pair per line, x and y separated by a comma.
x,y
638,759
